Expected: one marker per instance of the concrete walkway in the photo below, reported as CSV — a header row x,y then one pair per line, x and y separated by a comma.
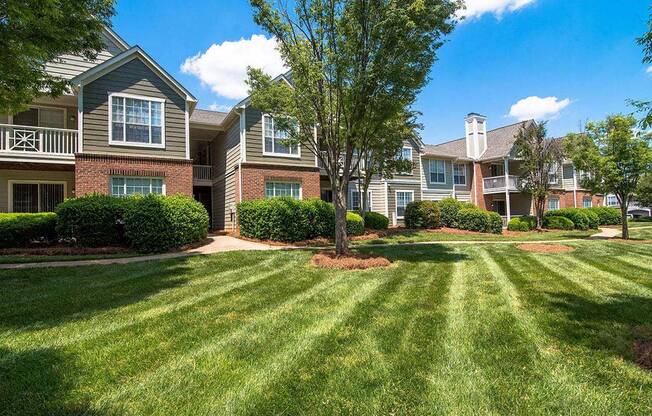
x,y
605,233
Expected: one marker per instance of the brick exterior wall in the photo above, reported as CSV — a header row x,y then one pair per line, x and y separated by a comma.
x,y
566,199
93,171
480,171
255,176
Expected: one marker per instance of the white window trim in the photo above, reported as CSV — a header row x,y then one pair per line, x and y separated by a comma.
x,y
430,171
282,181
590,199
465,174
350,198
163,190
411,152
396,192
266,153
554,198
10,190
10,118
132,144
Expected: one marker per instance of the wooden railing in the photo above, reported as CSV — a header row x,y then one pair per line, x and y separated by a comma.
x,y
202,172
30,140
497,183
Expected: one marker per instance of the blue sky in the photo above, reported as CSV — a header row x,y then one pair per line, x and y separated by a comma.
x,y
581,52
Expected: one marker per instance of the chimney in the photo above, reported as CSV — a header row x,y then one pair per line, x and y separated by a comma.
x,y
476,135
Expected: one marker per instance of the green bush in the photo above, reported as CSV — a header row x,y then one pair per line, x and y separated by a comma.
x,y
594,219
473,219
155,223
577,215
320,217
422,214
375,221
18,230
524,223
607,216
354,224
449,209
558,223
495,223
641,219
92,220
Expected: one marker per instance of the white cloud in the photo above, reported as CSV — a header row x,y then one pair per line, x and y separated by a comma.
x,y
649,69
219,107
538,108
476,8
223,67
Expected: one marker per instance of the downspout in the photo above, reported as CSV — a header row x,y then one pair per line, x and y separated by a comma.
x,y
574,186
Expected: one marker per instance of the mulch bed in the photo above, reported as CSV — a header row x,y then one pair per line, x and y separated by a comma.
x,y
545,248
352,261
643,351
63,251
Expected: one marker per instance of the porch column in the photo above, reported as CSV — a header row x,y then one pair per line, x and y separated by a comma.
x,y
507,203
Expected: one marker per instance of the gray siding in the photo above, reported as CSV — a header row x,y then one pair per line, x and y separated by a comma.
x,y
416,162
36,175
226,155
254,145
425,179
134,77
69,66
391,197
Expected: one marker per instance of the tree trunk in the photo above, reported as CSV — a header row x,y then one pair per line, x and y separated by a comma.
x,y
538,208
623,214
341,239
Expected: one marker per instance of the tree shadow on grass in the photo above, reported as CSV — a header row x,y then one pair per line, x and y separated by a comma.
x,y
41,298
425,253
38,382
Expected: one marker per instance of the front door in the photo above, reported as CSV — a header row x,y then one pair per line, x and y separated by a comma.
x,y
204,195
499,207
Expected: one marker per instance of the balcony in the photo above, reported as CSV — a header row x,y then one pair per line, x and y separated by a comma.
x,y
496,184
202,174
24,143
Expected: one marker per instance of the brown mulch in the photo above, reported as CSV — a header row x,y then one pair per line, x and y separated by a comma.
x,y
643,351
352,261
545,248
63,251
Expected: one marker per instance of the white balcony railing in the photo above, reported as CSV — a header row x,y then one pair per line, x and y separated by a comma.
x,y
37,141
202,172
497,184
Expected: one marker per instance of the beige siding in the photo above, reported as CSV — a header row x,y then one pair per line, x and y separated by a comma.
x,y
69,66
226,155
136,78
377,197
416,162
391,197
35,175
448,186
254,126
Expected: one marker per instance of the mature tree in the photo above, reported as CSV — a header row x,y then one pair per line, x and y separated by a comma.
x,y
644,190
383,156
33,32
355,64
644,106
614,156
539,156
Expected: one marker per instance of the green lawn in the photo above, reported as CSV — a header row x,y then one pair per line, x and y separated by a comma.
x,y
464,329
641,233
413,236
30,258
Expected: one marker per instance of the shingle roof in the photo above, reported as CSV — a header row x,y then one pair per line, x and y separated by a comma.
x,y
207,117
499,144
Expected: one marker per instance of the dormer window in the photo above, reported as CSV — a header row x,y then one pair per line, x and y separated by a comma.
x,y
136,121
275,140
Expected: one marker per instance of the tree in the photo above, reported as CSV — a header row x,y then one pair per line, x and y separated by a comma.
x,y
643,106
644,190
539,157
614,157
354,65
34,32
383,155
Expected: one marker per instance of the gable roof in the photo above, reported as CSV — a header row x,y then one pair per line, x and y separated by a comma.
x,y
201,116
500,142
135,52
116,38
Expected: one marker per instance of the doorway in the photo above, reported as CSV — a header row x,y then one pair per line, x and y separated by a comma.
x,y
204,195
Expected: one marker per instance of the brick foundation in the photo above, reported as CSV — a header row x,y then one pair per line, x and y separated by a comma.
x,y
566,199
92,172
255,176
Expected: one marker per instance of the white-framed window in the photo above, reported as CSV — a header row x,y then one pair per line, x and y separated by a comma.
x,y
35,196
122,186
355,199
136,121
553,203
403,198
406,153
278,189
437,169
553,173
587,202
612,201
459,174
273,140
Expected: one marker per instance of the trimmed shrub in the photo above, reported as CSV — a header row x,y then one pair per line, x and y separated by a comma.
x,y
354,224
594,219
93,220
577,215
606,215
422,214
320,217
375,221
495,223
280,219
558,223
524,223
473,219
449,209
641,219
155,223
19,230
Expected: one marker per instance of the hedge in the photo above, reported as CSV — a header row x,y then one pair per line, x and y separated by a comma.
x,y
495,223
558,223
607,216
354,224
642,219
19,230
523,223
321,218
449,211
422,214
155,223
578,216
375,221
92,220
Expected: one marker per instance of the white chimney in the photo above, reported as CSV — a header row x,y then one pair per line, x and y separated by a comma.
x,y
476,135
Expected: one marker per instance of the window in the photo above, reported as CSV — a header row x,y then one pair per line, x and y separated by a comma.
x,y
553,203
587,202
41,117
122,186
355,200
459,174
437,171
406,153
136,121
276,189
35,196
275,140
612,201
402,199
553,173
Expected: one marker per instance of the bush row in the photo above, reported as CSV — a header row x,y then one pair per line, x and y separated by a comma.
x,y
19,230
573,218
452,213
